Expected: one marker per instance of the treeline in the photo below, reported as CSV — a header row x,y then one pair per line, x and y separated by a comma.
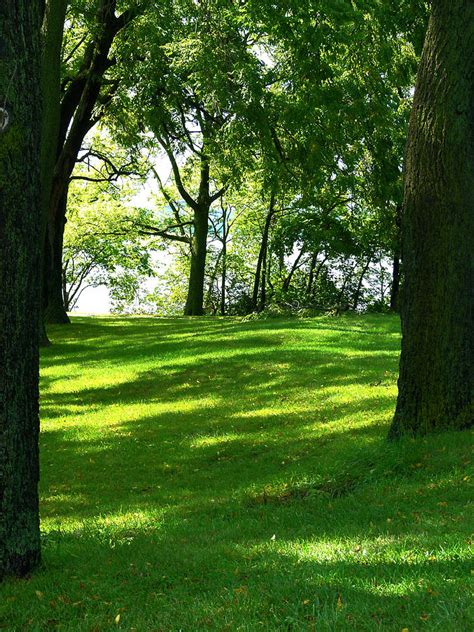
x,y
272,139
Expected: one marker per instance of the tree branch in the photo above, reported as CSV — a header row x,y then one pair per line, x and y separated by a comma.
x,y
190,201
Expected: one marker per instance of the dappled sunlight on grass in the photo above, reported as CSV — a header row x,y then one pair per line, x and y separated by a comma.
x,y
226,475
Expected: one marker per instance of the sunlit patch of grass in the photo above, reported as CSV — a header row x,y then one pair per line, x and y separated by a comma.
x,y
213,474
202,441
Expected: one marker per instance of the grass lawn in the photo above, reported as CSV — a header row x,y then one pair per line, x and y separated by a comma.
x,y
204,474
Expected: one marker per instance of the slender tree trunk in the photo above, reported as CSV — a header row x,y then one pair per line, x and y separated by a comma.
x,y
396,268
271,288
54,307
395,289
263,290
316,277
52,37
195,298
20,228
212,283
76,119
224,271
258,272
262,253
436,380
281,260
355,303
312,270
343,289
66,297
287,281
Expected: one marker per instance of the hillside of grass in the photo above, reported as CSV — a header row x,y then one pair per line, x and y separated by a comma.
x,y
214,474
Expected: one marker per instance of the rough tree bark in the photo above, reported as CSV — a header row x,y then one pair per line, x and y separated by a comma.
x,y
20,221
437,363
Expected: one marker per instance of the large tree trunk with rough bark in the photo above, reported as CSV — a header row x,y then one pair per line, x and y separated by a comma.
x,y
437,363
20,222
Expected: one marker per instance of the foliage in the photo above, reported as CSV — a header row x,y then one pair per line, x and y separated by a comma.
x,y
272,118
101,244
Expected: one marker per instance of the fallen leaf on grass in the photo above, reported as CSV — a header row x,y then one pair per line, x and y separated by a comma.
x,y
241,590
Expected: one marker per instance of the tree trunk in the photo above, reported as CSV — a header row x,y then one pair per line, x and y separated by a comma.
x,y
20,222
347,278
294,267
436,380
316,277
53,299
355,303
312,270
195,299
212,283
52,37
262,255
76,119
224,271
395,290
263,290
67,300
268,277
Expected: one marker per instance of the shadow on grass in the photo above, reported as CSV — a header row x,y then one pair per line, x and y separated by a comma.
x,y
268,404
214,474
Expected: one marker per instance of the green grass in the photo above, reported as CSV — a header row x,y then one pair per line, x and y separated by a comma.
x,y
221,475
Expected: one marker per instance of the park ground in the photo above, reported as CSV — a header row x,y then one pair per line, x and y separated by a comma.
x,y
223,474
